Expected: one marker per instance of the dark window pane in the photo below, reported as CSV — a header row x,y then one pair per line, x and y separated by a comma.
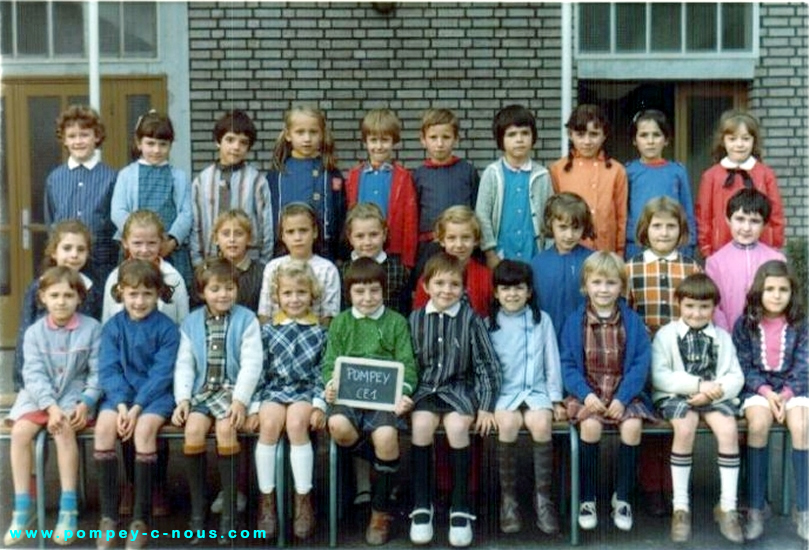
x,y
68,29
6,38
140,24
594,27
737,26
666,27
109,28
45,153
701,27
32,28
630,27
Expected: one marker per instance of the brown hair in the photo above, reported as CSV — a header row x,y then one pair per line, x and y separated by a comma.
x,y
698,286
434,117
64,227
381,121
581,116
214,268
283,149
86,117
457,214
236,215
665,206
566,205
364,211
61,274
441,262
134,273
754,309
364,270
729,122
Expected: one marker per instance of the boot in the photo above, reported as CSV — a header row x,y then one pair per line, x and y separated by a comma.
x,y
378,530
547,515
510,521
304,522
267,515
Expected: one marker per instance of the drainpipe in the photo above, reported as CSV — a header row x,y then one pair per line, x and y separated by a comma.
x,y
567,71
94,77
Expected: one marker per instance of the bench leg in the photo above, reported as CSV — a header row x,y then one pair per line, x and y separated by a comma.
x,y
574,486
785,486
332,493
39,462
280,491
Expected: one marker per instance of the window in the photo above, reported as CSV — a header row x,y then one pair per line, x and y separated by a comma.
x,y
667,40
54,30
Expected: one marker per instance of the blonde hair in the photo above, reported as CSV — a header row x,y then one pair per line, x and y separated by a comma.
x,y
143,218
457,214
236,215
297,270
434,117
383,122
364,211
283,149
607,264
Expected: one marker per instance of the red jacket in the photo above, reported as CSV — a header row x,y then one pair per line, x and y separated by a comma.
x,y
712,227
478,289
403,214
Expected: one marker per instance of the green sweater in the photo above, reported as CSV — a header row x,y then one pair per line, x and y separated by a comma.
x,y
385,338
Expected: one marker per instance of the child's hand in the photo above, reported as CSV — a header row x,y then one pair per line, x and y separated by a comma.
x,y
236,413
126,427
492,259
709,386
167,247
615,410
251,424
485,423
56,419
78,419
181,411
777,406
403,406
317,420
331,392
559,412
593,404
699,400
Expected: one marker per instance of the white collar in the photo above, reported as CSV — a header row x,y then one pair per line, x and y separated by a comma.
x,y
379,258
452,311
746,165
144,163
650,257
89,164
682,328
375,315
524,168
88,282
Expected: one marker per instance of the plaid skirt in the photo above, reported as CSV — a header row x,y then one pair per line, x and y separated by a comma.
x,y
213,402
577,412
677,407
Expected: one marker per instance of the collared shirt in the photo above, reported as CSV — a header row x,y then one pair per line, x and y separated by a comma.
x,y
747,165
375,184
375,315
604,344
697,349
516,237
215,330
90,163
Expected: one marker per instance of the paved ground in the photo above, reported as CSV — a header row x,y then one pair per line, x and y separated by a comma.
x,y
648,532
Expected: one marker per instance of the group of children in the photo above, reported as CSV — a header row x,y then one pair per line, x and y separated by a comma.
x,y
551,325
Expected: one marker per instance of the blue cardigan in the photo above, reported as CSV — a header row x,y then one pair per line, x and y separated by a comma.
x,y
637,356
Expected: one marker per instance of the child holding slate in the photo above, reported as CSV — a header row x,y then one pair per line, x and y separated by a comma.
x,y
370,330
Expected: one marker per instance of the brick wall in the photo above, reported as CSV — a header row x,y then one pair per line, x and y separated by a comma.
x,y
778,97
472,58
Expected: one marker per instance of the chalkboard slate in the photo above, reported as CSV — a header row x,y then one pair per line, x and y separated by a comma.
x,y
368,383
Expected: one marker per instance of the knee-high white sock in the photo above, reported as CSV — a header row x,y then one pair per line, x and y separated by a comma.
x,y
265,467
729,480
680,477
302,459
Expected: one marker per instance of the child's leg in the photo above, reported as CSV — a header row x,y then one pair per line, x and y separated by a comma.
x,y
457,427
798,424
22,434
227,450
540,424
301,454
628,457
196,429
759,421
727,438
508,426
272,417
424,424
146,429
386,466
682,457
590,430
67,452
106,433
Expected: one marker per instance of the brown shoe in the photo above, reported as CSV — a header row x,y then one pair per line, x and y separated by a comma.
x,y
729,524
754,526
378,530
680,526
127,500
142,529
510,521
303,523
160,504
267,515
106,524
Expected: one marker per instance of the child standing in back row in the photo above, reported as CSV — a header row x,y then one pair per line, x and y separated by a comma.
x,y
230,183
443,180
386,183
82,188
652,176
600,180
513,191
304,169
151,183
737,153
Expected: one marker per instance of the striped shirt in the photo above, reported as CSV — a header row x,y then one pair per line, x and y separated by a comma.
x,y
455,357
